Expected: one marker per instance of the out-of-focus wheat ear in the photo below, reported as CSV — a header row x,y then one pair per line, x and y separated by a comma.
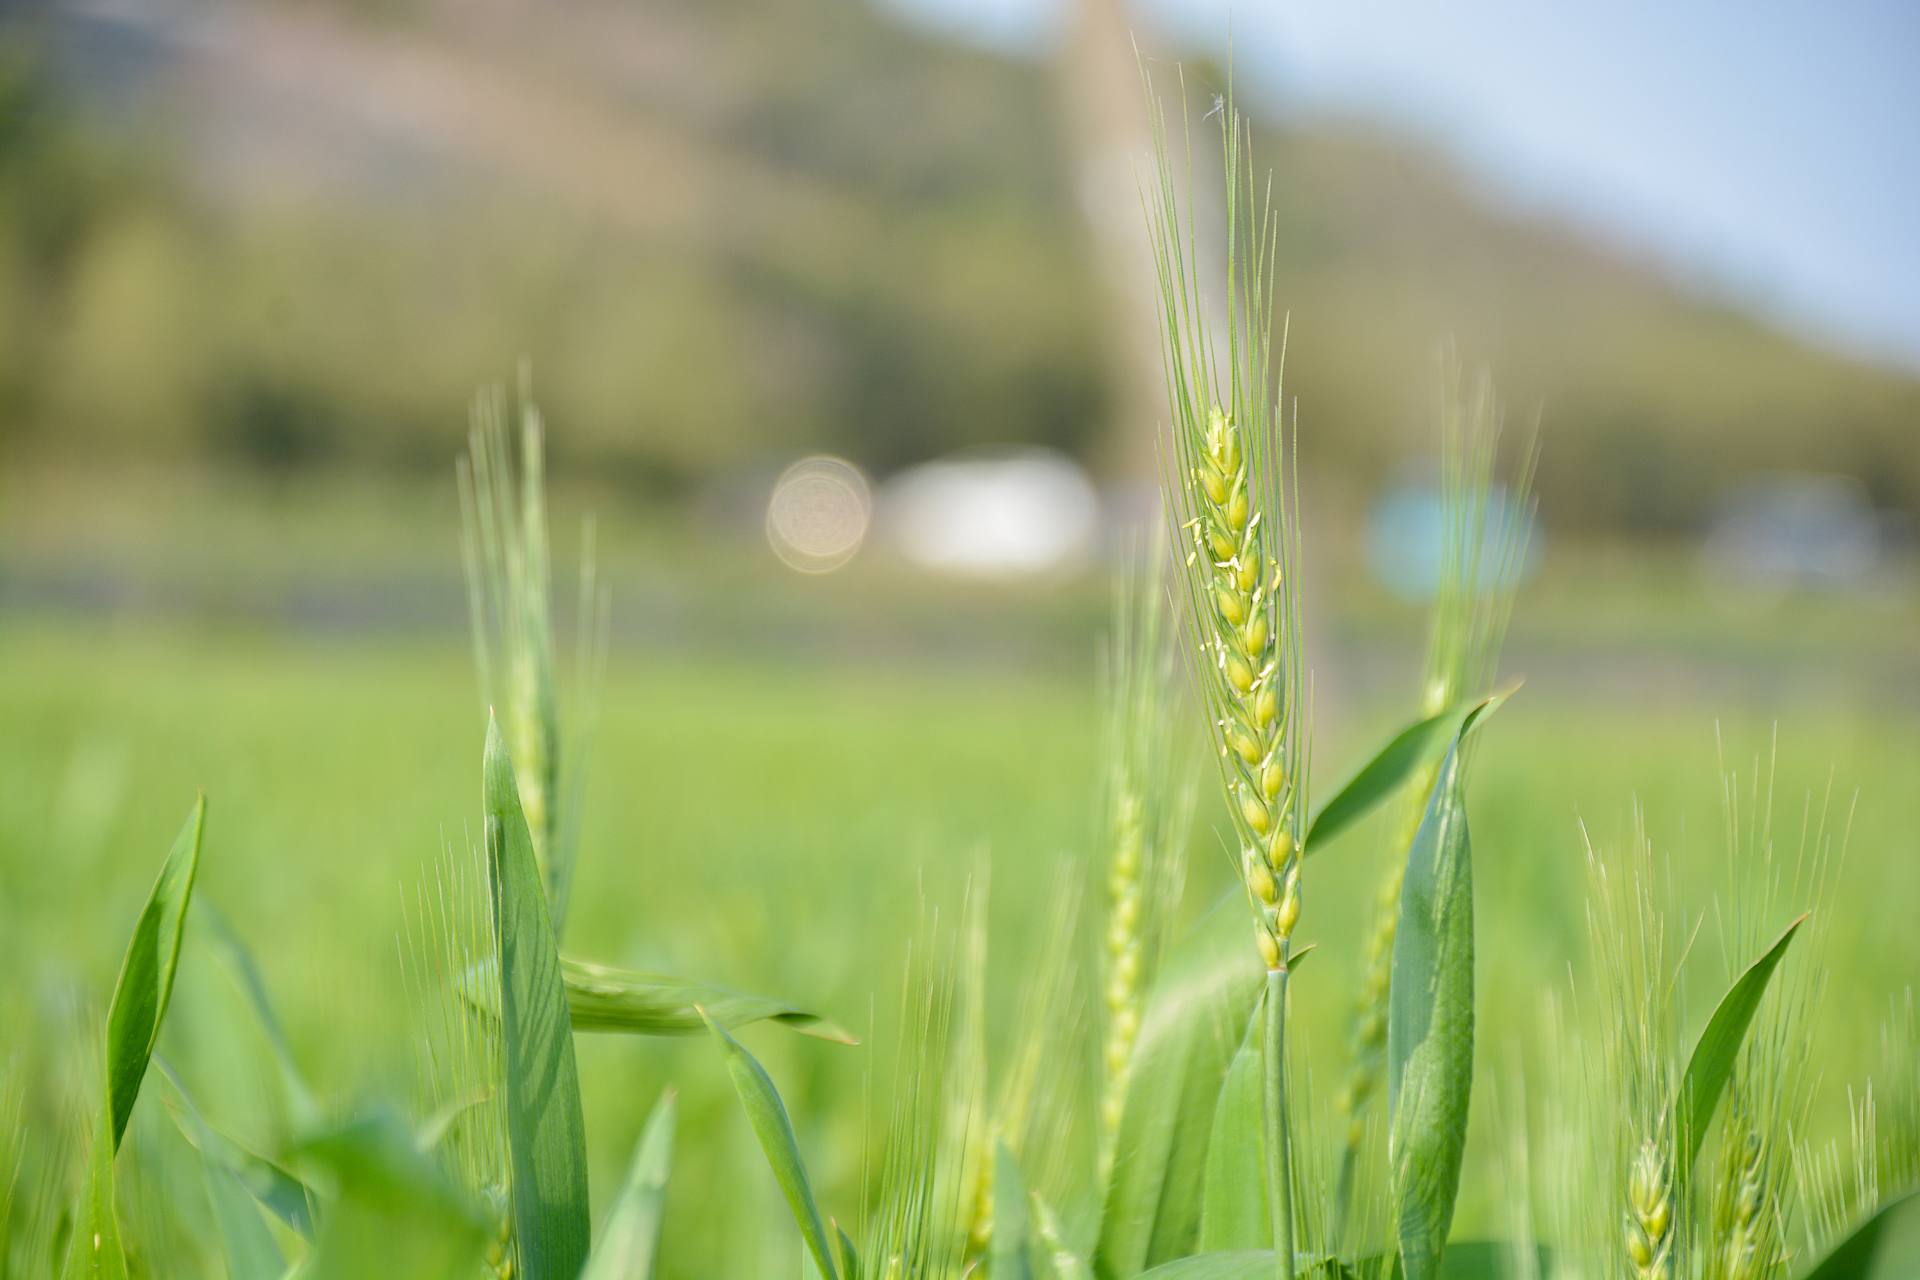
x,y
920,1226
1146,812
508,565
446,957
1044,1111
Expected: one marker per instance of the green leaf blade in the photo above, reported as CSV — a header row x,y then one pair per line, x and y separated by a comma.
x,y
1886,1246
767,1115
145,985
1430,1021
1233,1210
1420,745
1711,1064
546,1132
631,1238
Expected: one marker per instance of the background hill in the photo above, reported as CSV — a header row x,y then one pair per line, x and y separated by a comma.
x,y
724,234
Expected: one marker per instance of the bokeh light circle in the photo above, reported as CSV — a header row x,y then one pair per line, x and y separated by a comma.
x,y
819,514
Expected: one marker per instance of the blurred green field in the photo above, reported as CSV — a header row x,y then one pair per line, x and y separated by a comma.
x,y
782,825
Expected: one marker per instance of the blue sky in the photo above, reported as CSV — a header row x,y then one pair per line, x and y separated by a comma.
x,y
1768,152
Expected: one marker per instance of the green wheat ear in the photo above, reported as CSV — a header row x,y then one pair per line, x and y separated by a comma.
x,y
446,951
1232,502
509,589
1232,498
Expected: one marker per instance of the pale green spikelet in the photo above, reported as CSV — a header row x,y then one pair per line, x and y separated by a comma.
x,y
1232,503
509,588
1650,1217
1746,1237
1485,528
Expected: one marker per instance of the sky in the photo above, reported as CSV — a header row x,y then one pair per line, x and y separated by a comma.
x,y
1768,153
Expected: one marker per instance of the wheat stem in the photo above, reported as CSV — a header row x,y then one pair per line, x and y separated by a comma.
x,y
1279,1163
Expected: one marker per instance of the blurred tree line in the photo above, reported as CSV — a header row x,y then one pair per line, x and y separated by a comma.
x,y
799,227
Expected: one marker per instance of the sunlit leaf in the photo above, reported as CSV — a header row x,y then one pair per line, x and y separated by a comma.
x,y
1714,1054
146,974
1430,1018
768,1117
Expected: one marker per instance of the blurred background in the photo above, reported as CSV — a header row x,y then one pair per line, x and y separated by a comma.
x,y
839,317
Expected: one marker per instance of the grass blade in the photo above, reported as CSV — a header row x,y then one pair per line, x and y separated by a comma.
x,y
1196,1020
1884,1247
94,1251
1711,1065
1430,1019
768,1116
546,1135
603,998
1233,1208
146,974
631,1237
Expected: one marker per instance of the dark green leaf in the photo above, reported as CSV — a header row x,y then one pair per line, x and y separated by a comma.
x,y
602,998
546,1136
631,1237
1012,1239
1884,1247
1719,1046
768,1117
1234,1212
146,974
1430,1018
1195,1020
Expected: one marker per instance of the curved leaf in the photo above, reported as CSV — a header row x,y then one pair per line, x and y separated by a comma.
x,y
1418,745
1233,1206
1196,1019
145,986
279,1192
1884,1247
768,1116
631,1236
1719,1046
546,1135
1430,1018
603,998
